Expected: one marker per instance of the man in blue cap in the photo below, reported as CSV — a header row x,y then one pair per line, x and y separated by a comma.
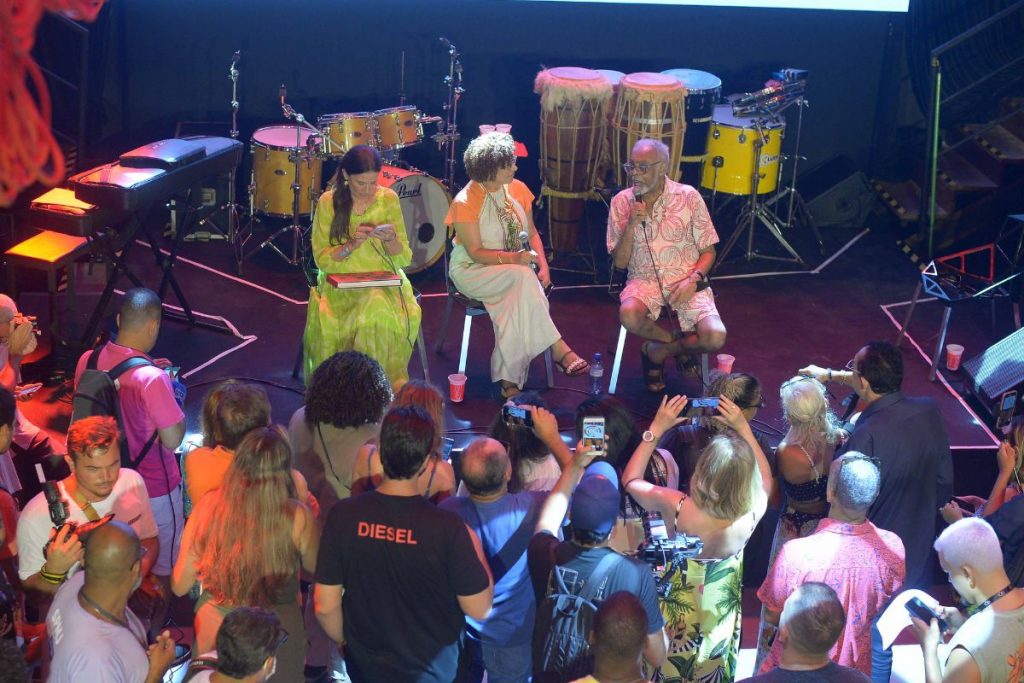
x,y
585,565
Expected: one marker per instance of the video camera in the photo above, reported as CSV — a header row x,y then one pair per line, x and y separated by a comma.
x,y
58,508
661,552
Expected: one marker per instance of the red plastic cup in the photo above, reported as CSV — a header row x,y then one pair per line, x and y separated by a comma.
x,y
457,387
725,362
954,352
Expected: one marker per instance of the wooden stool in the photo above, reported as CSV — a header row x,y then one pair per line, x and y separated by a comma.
x,y
49,251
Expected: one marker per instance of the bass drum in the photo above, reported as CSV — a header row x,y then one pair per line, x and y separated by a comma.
x,y
424,204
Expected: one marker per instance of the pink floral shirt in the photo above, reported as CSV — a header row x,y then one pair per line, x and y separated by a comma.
x,y
865,566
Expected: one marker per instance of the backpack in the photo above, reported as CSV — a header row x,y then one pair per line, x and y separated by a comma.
x,y
96,394
561,647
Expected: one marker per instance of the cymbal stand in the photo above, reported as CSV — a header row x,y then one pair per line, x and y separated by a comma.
x,y
232,204
756,212
448,132
796,200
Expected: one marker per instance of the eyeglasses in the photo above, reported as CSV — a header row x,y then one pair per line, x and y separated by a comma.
x,y
759,404
280,639
852,367
853,457
642,167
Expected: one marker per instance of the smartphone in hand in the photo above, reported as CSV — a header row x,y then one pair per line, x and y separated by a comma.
x,y
593,433
514,415
917,608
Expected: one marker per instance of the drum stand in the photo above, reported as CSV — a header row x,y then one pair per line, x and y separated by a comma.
x,y
296,229
758,211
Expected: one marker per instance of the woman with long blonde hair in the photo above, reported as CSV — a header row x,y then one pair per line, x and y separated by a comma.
x,y
245,543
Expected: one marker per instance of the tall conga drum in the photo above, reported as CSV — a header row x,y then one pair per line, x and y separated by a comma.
x,y
703,90
573,110
605,165
648,105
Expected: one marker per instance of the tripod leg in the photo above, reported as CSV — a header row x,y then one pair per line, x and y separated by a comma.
x,y
774,230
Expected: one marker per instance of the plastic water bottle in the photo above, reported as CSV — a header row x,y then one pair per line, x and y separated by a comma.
x,y
596,375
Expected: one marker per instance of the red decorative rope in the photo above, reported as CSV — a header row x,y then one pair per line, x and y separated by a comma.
x,y
28,151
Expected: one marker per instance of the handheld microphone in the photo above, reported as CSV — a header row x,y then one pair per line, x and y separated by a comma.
x,y
235,57
638,196
524,242
282,92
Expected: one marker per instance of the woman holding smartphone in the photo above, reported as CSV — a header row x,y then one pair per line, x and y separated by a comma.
x,y
358,228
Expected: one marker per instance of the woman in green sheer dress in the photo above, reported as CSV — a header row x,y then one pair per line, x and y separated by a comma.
x,y
728,496
358,228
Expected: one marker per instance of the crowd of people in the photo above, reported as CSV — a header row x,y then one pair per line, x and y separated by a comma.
x,y
352,545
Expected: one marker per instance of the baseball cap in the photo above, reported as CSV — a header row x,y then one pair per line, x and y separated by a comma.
x,y
595,503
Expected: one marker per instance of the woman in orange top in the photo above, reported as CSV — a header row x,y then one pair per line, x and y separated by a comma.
x,y
489,263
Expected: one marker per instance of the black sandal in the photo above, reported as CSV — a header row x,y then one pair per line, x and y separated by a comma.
x,y
654,373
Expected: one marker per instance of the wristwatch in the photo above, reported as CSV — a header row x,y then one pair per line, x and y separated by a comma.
x,y
648,436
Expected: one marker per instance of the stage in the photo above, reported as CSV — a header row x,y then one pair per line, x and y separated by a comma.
x,y
779,318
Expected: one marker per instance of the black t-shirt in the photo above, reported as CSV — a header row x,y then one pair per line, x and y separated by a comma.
x,y
576,564
830,673
402,562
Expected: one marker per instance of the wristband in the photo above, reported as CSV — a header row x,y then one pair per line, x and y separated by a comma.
x,y
830,374
51,578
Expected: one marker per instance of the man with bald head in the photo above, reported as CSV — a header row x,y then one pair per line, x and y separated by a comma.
x,y
504,522
662,232
94,635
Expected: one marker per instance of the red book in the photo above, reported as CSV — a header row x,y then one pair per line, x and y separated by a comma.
x,y
380,278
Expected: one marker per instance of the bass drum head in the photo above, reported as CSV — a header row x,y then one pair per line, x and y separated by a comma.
x,y
424,204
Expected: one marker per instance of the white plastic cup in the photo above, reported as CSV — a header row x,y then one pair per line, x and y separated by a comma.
x,y
486,128
503,127
954,352
725,362
457,387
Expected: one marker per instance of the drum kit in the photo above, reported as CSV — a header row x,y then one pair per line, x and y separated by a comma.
x,y
287,176
733,148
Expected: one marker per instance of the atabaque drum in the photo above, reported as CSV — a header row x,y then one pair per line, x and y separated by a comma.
x,y
275,149
398,127
342,132
573,115
703,91
648,105
732,153
424,204
605,168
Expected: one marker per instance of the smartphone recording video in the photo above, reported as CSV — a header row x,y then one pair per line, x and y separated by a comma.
x,y
593,433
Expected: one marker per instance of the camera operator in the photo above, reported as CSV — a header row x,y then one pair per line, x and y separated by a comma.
x,y
30,444
986,645
728,496
98,485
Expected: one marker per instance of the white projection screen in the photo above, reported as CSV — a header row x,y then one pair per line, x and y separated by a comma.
x,y
838,5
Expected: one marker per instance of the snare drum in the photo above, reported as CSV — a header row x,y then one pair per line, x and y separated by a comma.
x,y
342,132
424,204
273,170
398,127
730,159
703,91
648,105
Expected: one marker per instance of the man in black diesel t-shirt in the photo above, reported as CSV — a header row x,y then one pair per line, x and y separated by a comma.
x,y
404,573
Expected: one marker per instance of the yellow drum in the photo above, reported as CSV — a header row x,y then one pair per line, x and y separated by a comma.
x,y
729,165
398,127
273,170
648,105
573,106
342,132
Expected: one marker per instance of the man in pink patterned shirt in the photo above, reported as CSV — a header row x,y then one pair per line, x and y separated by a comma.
x,y
662,232
863,564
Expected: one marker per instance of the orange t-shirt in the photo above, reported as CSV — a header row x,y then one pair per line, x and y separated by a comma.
x,y
205,469
469,202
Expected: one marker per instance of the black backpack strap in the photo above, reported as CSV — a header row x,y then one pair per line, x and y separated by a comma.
x,y
115,372
596,578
